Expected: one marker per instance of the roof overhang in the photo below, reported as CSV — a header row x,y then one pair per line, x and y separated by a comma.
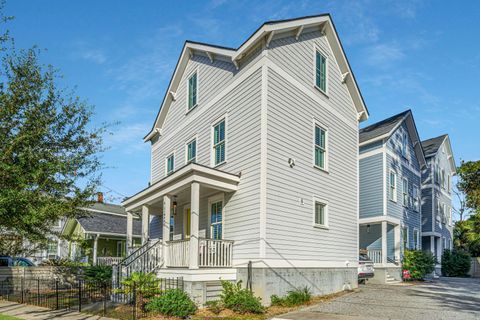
x,y
181,180
451,159
266,31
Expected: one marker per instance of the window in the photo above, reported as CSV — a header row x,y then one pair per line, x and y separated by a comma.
x,y
192,151
393,186
443,179
405,237
219,142
449,216
320,215
444,213
321,71
415,239
416,199
405,192
444,243
320,147
438,210
448,183
216,220
172,227
404,144
192,91
170,163
51,247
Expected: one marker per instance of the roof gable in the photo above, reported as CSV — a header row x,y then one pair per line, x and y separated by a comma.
x,y
433,145
265,31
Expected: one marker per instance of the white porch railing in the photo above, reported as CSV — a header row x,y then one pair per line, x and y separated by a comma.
x,y
178,253
211,253
375,255
215,253
108,261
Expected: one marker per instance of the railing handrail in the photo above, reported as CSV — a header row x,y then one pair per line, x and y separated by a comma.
x,y
143,253
134,252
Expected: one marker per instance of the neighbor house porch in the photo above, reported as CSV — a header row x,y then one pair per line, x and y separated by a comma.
x,y
183,222
380,237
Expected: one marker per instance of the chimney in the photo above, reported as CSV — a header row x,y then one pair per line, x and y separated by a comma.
x,y
100,197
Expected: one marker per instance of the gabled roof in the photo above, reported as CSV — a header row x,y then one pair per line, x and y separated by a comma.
x,y
384,129
268,29
432,145
104,223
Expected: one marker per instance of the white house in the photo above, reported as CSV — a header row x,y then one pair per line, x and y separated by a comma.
x,y
254,160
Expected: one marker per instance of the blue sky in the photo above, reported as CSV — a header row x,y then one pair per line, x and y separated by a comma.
x,y
120,55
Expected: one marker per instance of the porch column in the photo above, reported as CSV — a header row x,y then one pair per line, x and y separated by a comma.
x,y
167,200
145,223
95,246
129,232
194,218
432,244
384,242
398,241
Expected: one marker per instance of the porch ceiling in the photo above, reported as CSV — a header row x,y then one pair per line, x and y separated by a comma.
x,y
181,180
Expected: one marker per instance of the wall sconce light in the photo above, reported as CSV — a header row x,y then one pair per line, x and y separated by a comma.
x,y
174,208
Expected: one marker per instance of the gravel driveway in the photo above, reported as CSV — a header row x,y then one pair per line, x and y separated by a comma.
x,y
446,298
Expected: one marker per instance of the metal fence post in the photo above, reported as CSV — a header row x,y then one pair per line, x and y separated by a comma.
x,y
79,295
134,301
38,291
104,298
56,294
22,286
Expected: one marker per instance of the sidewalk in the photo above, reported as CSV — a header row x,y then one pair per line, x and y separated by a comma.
x,y
29,312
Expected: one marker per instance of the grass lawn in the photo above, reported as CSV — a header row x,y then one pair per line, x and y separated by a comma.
x,y
5,317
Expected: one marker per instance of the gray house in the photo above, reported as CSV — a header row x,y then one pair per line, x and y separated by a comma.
x,y
437,224
254,161
391,160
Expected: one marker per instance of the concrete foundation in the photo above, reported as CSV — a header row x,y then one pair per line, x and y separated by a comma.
x,y
381,274
278,281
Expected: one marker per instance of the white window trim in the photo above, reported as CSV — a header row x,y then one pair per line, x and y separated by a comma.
x,y
317,123
316,49
404,144
418,238
212,152
187,110
395,198
407,246
187,142
417,199
404,192
213,199
326,225
166,163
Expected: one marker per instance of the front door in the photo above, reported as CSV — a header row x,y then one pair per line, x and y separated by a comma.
x,y
186,223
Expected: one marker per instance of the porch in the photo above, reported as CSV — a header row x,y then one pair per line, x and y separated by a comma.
x,y
182,221
381,240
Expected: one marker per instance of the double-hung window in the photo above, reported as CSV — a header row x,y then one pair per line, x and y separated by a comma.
x,y
321,71
170,163
415,239
216,220
405,237
192,91
443,178
404,144
192,151
320,147
405,192
393,186
219,142
416,198
320,214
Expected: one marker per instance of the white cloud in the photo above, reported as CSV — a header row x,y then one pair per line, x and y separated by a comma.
x,y
128,137
85,51
384,54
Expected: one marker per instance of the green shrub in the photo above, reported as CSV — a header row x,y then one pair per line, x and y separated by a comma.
x,y
215,306
98,274
145,284
240,300
173,303
455,263
293,298
418,263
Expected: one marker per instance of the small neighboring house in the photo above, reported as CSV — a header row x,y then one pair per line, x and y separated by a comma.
x,y
102,234
391,160
437,224
56,248
254,161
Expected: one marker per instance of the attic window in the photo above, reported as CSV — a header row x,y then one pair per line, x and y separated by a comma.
x,y
321,71
192,91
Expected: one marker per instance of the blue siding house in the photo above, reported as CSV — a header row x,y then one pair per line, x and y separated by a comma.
x,y
437,224
391,163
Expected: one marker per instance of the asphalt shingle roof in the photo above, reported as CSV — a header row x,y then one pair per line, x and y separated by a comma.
x,y
430,146
108,223
380,128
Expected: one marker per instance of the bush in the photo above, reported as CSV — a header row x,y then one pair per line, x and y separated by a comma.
x,y
146,284
215,306
240,300
293,298
455,263
98,274
173,303
418,263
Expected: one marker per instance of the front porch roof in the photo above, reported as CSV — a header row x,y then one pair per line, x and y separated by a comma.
x,y
180,180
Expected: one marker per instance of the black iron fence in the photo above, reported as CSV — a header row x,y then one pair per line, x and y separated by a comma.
x,y
122,301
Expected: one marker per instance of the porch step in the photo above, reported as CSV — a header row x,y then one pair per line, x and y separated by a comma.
x,y
391,280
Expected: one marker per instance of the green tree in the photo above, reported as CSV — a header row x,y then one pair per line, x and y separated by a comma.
x,y
469,183
49,163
